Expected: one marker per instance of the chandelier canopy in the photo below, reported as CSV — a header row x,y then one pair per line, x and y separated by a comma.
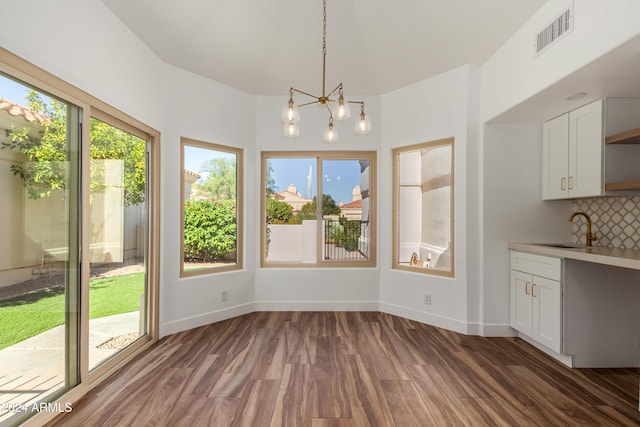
x,y
337,108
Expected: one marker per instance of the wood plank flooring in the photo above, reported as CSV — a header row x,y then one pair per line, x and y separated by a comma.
x,y
340,369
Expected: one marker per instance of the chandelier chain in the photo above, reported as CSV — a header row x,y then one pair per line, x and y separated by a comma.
x,y
324,26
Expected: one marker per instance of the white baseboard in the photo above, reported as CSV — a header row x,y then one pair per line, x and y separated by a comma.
x,y
205,319
496,330
317,306
427,318
491,330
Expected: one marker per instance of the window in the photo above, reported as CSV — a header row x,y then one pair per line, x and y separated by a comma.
x,y
423,208
211,208
299,231
79,259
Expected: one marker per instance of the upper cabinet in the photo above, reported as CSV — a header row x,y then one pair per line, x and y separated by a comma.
x,y
572,154
592,151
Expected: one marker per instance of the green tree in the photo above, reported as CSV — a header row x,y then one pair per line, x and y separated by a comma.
x,y
329,207
272,188
278,212
308,211
109,142
221,182
45,169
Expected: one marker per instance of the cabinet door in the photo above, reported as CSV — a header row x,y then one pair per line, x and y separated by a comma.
x,y
555,158
546,297
585,150
521,308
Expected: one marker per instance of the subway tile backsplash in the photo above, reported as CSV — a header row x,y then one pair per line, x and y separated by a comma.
x,y
615,220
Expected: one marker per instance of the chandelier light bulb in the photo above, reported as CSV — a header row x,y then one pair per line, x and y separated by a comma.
x,y
291,129
330,133
290,112
342,110
363,125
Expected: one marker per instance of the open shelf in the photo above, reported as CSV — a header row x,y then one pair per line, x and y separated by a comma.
x,y
633,185
627,137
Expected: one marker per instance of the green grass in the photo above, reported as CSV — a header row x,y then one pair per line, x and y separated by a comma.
x,y
31,314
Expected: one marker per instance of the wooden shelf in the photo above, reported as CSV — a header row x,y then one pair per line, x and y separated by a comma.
x,y
627,137
623,186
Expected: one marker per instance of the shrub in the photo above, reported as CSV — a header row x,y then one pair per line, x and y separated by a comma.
x,y
349,235
209,229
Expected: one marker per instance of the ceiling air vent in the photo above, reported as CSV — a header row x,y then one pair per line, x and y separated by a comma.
x,y
555,31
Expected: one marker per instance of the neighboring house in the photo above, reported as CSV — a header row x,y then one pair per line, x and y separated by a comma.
x,y
353,209
189,179
292,197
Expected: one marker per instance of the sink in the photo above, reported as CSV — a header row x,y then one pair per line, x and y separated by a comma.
x,y
562,245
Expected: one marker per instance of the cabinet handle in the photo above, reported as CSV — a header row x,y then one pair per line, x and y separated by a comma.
x,y
533,290
570,183
526,288
562,184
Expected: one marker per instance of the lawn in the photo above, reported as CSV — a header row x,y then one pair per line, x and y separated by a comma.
x,y
31,314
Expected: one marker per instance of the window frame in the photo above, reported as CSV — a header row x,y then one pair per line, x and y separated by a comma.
x,y
239,153
320,156
396,152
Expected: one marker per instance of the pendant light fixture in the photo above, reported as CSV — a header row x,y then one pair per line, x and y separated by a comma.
x,y
337,108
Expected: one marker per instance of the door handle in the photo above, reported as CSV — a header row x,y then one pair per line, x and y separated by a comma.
x,y
533,290
562,184
526,288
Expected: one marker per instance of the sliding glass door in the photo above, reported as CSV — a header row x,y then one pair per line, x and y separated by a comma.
x,y
75,216
39,251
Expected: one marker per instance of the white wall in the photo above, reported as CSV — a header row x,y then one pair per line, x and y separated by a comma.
x,y
433,109
514,73
204,110
315,288
513,211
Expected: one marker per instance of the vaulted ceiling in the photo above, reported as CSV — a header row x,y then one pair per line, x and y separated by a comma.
x,y
373,46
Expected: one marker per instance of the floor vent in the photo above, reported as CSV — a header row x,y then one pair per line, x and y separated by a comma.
x,y
555,31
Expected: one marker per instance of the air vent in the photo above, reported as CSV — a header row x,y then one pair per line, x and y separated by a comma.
x,y
555,31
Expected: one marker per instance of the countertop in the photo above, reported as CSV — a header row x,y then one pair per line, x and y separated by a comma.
x,y
626,258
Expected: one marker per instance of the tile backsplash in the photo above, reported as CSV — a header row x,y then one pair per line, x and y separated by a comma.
x,y
615,220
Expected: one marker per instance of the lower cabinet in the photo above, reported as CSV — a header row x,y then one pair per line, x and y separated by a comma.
x,y
536,298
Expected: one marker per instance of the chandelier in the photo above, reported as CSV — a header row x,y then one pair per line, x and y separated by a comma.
x,y
337,108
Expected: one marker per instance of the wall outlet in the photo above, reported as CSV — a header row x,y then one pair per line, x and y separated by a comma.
x,y
224,295
427,298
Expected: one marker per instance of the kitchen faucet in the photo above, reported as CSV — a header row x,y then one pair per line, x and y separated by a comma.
x,y
590,236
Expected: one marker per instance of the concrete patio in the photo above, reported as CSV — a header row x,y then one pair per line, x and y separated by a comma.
x,y
34,368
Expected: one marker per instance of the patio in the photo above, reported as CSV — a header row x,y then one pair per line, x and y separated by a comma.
x,y
34,368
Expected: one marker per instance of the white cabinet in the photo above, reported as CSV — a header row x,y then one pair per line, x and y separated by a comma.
x,y
572,146
536,298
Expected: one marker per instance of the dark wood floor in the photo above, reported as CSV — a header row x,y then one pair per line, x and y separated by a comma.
x,y
352,369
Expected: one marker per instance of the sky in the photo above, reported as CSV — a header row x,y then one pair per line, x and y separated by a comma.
x,y
194,157
13,91
339,176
